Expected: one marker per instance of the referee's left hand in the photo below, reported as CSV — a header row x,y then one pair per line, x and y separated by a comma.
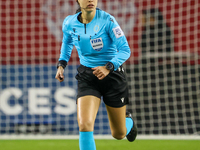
x,y
100,72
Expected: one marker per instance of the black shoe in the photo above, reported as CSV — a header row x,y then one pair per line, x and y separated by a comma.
x,y
133,133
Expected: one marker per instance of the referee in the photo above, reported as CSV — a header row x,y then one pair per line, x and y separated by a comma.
x,y
102,49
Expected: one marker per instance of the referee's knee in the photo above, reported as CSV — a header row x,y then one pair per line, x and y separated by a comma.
x,y
86,126
118,135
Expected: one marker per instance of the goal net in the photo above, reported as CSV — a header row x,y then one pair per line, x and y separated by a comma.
x,y
163,70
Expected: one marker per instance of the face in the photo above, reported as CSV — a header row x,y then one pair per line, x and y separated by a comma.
x,y
147,20
143,19
88,5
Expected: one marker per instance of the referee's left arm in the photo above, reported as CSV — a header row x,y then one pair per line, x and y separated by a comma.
x,y
118,37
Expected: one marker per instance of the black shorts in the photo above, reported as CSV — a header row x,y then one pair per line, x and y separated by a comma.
x,y
113,88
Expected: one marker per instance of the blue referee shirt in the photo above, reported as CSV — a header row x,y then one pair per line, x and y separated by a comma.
x,y
97,42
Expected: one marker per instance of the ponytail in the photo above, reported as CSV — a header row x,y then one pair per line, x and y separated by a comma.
x,y
79,9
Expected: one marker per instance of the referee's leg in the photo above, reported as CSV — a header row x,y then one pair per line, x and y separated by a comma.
x,y
117,121
87,108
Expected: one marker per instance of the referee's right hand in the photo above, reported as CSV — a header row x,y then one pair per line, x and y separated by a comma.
x,y
59,75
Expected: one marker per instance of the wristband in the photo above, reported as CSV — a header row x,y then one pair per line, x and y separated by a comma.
x,y
62,63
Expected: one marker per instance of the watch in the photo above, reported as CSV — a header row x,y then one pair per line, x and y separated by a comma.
x,y
110,66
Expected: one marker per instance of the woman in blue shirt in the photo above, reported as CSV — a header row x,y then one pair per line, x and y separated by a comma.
x,y
102,49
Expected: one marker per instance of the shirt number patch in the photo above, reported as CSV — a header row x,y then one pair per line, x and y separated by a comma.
x,y
118,32
97,44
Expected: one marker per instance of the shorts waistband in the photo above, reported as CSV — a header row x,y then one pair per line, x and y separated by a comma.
x,y
81,68
120,68
89,68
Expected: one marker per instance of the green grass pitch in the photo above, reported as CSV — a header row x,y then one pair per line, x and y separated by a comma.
x,y
101,145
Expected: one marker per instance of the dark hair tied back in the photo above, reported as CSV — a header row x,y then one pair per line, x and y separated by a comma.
x,y
79,9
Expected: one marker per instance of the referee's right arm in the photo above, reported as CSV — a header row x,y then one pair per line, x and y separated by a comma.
x,y
65,52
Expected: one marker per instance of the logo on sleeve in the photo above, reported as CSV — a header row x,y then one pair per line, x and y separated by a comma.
x,y
97,44
111,20
118,32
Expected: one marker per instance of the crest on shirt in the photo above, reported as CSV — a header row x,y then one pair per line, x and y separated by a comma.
x,y
118,32
96,28
97,44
